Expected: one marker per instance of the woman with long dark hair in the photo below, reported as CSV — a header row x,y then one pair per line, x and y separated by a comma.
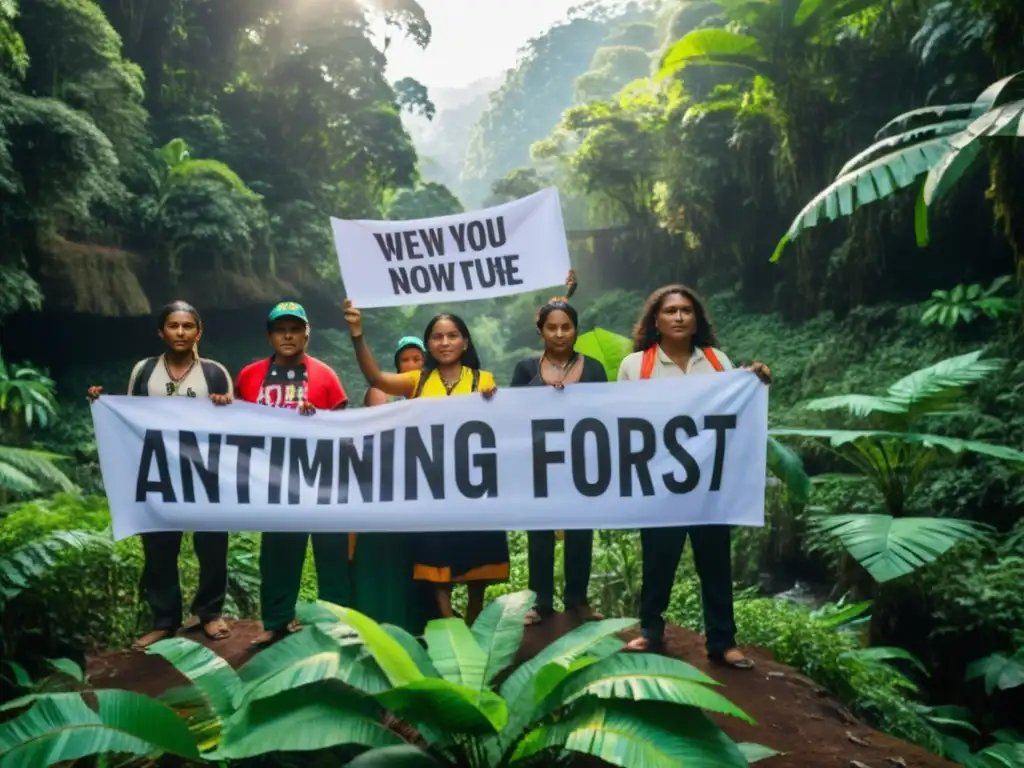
x,y
180,371
451,367
675,337
560,364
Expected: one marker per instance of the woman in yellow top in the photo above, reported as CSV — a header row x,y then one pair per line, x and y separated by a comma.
x,y
451,367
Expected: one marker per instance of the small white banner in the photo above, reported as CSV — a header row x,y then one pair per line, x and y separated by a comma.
x,y
684,451
512,248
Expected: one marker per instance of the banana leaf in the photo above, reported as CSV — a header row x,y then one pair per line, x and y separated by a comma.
x,y
889,547
387,652
400,756
447,707
455,652
498,630
61,728
211,675
606,347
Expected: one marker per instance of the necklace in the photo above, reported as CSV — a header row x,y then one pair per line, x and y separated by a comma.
x,y
176,381
565,368
449,386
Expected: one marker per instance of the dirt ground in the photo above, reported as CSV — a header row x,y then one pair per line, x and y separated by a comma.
x,y
794,715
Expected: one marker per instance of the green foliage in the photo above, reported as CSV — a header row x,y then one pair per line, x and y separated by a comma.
x,y
423,202
334,682
965,303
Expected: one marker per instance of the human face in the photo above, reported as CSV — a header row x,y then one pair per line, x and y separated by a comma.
x,y
676,319
288,336
410,359
446,343
558,332
180,332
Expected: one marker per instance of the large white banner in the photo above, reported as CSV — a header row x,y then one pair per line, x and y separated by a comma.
x,y
684,451
512,248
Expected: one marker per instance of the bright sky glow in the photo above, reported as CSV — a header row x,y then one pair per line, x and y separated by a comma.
x,y
472,39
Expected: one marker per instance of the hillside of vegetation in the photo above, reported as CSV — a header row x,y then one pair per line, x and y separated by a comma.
x,y
151,151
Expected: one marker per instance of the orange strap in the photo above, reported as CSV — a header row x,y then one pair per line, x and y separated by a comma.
x,y
651,357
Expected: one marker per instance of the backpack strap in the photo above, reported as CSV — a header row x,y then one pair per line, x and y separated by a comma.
x,y
709,353
647,362
476,380
217,380
139,384
420,384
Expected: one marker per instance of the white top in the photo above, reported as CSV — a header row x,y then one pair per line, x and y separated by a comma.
x,y
629,369
193,385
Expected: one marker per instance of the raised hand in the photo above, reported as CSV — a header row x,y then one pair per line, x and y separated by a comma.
x,y
221,399
354,318
93,392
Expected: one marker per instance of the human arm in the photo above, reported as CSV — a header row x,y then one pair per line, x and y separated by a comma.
x,y
593,371
93,392
523,375
218,383
570,283
396,384
375,396
762,371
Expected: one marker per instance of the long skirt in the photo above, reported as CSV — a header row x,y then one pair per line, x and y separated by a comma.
x,y
445,558
381,568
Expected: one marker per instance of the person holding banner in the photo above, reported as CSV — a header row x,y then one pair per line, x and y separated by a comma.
x,y
180,371
451,367
381,563
674,337
291,378
560,364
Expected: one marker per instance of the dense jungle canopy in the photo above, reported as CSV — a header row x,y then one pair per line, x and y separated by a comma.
x,y
842,179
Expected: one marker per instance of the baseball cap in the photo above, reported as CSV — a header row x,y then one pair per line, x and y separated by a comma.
x,y
288,309
410,341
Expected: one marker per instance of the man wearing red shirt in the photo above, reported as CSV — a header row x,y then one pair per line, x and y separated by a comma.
x,y
293,379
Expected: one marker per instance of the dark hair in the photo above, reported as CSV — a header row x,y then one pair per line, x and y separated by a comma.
x,y
645,333
470,359
177,306
400,350
557,304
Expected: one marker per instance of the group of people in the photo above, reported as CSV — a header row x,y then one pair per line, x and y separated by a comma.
x,y
407,579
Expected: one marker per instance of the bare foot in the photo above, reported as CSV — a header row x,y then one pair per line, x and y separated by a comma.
x,y
532,617
152,637
733,658
643,644
586,613
217,629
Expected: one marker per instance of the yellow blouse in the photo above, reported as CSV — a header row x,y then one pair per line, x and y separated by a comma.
x,y
434,387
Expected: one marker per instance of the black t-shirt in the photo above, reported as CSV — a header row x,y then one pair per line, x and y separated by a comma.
x,y
284,387
527,373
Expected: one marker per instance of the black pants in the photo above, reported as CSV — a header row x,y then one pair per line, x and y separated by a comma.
x,y
579,549
712,554
162,588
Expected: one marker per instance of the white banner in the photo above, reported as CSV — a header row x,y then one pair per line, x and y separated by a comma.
x,y
684,451
512,248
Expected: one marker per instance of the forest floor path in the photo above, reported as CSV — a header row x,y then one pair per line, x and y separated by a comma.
x,y
794,715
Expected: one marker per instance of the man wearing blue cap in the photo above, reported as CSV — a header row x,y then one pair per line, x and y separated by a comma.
x,y
290,378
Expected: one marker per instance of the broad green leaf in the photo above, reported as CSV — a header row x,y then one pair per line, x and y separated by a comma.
x,y
446,707
24,565
889,547
60,727
963,150
455,652
388,652
785,464
909,138
552,674
413,647
637,735
593,638
755,753
212,676
714,46
838,438
399,756
925,117
608,348
1000,672
938,386
69,668
498,630
880,653
644,677
859,406
317,716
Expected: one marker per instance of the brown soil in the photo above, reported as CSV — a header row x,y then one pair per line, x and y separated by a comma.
x,y
793,714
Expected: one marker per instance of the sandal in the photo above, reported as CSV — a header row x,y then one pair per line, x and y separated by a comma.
x,y
532,618
153,636
731,658
268,637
